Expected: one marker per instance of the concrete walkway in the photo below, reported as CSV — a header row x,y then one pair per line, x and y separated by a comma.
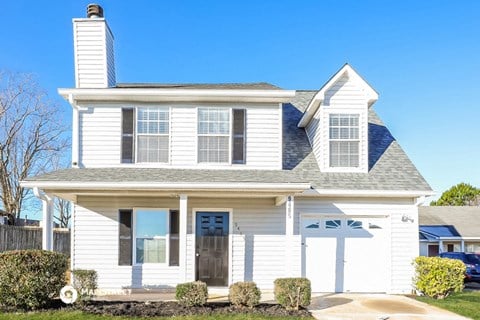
x,y
375,307
332,306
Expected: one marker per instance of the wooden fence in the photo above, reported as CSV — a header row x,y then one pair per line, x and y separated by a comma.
x,y
19,238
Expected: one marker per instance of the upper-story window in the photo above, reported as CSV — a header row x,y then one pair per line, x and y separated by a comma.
x,y
344,140
145,134
220,139
152,134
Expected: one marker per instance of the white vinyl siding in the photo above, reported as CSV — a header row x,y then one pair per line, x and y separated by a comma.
x,y
345,96
257,239
100,137
264,137
94,61
183,131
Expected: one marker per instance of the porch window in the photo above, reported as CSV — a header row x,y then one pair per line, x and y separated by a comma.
x,y
148,236
151,235
344,140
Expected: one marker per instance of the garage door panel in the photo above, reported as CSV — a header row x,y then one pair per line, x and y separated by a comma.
x,y
345,254
322,248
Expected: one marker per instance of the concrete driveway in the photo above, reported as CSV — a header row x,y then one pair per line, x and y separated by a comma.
x,y
343,306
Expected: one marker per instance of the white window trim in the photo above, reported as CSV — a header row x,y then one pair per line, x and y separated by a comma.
x,y
229,135
137,135
134,238
325,140
357,140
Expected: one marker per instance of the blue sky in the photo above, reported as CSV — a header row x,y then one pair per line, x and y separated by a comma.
x,y
423,57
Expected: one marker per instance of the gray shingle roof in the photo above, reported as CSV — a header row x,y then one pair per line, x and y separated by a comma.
x,y
218,86
389,167
466,220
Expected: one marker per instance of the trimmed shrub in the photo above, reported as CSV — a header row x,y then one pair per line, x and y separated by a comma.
x,y
192,293
30,279
85,282
438,277
244,294
292,293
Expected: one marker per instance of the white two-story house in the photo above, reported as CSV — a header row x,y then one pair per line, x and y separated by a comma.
x,y
231,182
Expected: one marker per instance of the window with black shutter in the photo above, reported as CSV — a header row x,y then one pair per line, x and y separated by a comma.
x,y
125,238
174,238
238,136
128,119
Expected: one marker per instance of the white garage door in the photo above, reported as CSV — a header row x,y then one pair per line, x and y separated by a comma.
x,y
345,254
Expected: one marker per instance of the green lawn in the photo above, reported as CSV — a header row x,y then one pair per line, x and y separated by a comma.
x,y
77,315
466,304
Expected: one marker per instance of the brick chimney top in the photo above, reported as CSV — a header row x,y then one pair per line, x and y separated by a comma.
x,y
94,11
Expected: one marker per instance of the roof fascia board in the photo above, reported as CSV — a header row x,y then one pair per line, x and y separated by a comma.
x,y
366,193
320,95
294,187
160,94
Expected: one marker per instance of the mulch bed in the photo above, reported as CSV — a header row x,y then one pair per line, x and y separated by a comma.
x,y
173,308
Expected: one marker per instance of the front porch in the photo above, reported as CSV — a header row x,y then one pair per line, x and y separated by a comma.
x,y
260,235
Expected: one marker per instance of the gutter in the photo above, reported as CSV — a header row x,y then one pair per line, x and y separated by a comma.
x,y
297,187
161,94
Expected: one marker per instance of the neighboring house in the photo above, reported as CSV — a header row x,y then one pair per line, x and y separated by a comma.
x,y
6,218
449,229
232,182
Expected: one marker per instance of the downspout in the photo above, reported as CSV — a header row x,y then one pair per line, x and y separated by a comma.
x,y
47,229
75,133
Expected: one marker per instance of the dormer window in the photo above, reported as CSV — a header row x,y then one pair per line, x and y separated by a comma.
x,y
344,140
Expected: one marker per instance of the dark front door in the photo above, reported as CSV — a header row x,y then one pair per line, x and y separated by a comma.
x,y
212,248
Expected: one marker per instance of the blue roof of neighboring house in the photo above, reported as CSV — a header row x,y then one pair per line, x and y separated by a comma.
x,y
436,232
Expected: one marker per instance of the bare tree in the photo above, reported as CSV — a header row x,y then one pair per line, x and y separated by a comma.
x,y
63,212
31,134
62,207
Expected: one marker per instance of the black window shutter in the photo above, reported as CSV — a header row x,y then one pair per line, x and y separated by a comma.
x,y
125,238
238,138
174,238
128,118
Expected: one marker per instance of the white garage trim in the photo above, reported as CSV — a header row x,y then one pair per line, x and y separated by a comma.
x,y
346,253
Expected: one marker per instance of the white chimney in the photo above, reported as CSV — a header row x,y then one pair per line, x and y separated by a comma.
x,y
93,49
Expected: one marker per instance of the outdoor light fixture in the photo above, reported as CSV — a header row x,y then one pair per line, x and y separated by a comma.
x,y
406,218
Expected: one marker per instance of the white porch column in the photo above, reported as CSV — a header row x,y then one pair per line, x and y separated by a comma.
x,y
183,238
440,246
462,245
289,214
47,222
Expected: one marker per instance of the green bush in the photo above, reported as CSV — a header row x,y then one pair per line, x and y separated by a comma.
x,y
192,293
244,294
438,277
85,282
293,293
30,279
